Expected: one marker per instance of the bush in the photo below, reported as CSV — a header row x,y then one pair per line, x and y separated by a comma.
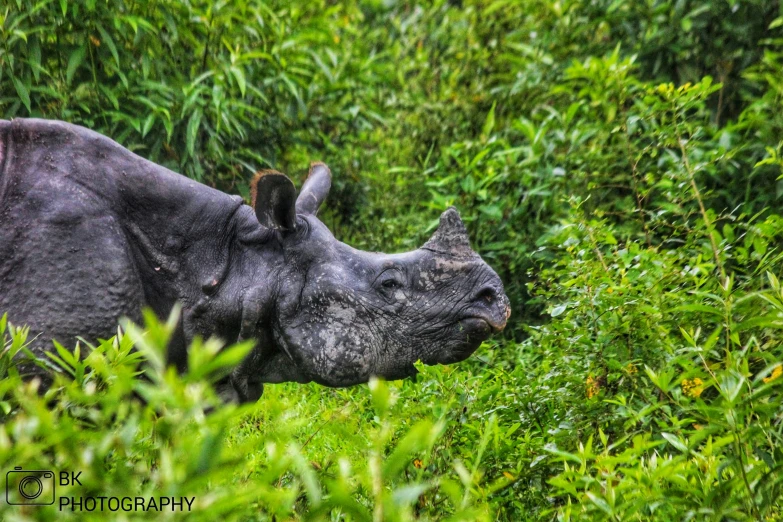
x,y
166,435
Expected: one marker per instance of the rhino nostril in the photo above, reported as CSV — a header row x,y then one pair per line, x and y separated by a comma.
x,y
487,295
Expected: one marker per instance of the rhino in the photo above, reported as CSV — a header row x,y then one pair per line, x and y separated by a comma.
x,y
91,233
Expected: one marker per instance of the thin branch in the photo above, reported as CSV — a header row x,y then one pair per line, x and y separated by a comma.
x,y
702,209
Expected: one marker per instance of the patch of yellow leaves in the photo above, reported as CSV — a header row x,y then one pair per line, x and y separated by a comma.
x,y
777,372
591,387
692,387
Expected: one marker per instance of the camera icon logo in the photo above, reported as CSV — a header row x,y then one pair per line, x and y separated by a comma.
x,y
24,487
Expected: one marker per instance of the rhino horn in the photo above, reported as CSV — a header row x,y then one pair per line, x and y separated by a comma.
x,y
315,189
451,237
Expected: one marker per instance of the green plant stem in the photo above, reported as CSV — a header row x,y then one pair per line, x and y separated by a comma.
x,y
595,246
740,454
702,209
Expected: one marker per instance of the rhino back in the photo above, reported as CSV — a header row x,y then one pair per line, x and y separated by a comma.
x,y
90,232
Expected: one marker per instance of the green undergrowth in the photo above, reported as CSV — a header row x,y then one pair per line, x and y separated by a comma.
x,y
387,451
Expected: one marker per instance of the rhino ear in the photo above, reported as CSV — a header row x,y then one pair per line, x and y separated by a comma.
x,y
315,189
273,197
451,237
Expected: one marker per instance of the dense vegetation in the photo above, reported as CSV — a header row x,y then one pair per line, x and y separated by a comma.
x,y
618,164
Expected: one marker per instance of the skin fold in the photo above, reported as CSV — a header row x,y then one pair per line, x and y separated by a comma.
x,y
90,233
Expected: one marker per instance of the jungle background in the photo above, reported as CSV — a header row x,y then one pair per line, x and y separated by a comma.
x,y
616,162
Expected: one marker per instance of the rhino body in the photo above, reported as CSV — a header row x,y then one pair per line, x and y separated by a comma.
x,y
90,233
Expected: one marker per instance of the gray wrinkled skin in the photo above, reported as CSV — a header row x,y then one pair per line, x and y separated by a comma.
x,y
90,233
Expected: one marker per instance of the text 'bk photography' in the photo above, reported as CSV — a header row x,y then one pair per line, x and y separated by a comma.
x,y
39,488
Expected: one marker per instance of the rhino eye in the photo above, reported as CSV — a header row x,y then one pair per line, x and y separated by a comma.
x,y
388,283
391,284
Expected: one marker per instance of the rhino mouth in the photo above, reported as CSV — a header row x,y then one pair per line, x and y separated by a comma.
x,y
467,335
474,330
476,323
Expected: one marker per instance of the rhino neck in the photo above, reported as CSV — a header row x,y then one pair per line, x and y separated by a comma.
x,y
202,248
193,249
180,245
187,242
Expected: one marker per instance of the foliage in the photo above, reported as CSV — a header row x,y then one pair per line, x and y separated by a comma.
x,y
167,434
618,163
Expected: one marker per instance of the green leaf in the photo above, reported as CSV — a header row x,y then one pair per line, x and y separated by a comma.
x,y
410,493
422,435
240,77
20,34
22,91
489,123
109,43
773,281
381,396
713,338
600,503
231,356
110,95
74,61
730,385
698,308
34,55
558,310
764,321
563,454
675,441
478,157
193,127
147,124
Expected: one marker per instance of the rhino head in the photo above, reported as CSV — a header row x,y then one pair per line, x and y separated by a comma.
x,y
342,315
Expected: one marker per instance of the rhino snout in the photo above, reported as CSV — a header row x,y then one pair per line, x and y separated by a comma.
x,y
491,305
